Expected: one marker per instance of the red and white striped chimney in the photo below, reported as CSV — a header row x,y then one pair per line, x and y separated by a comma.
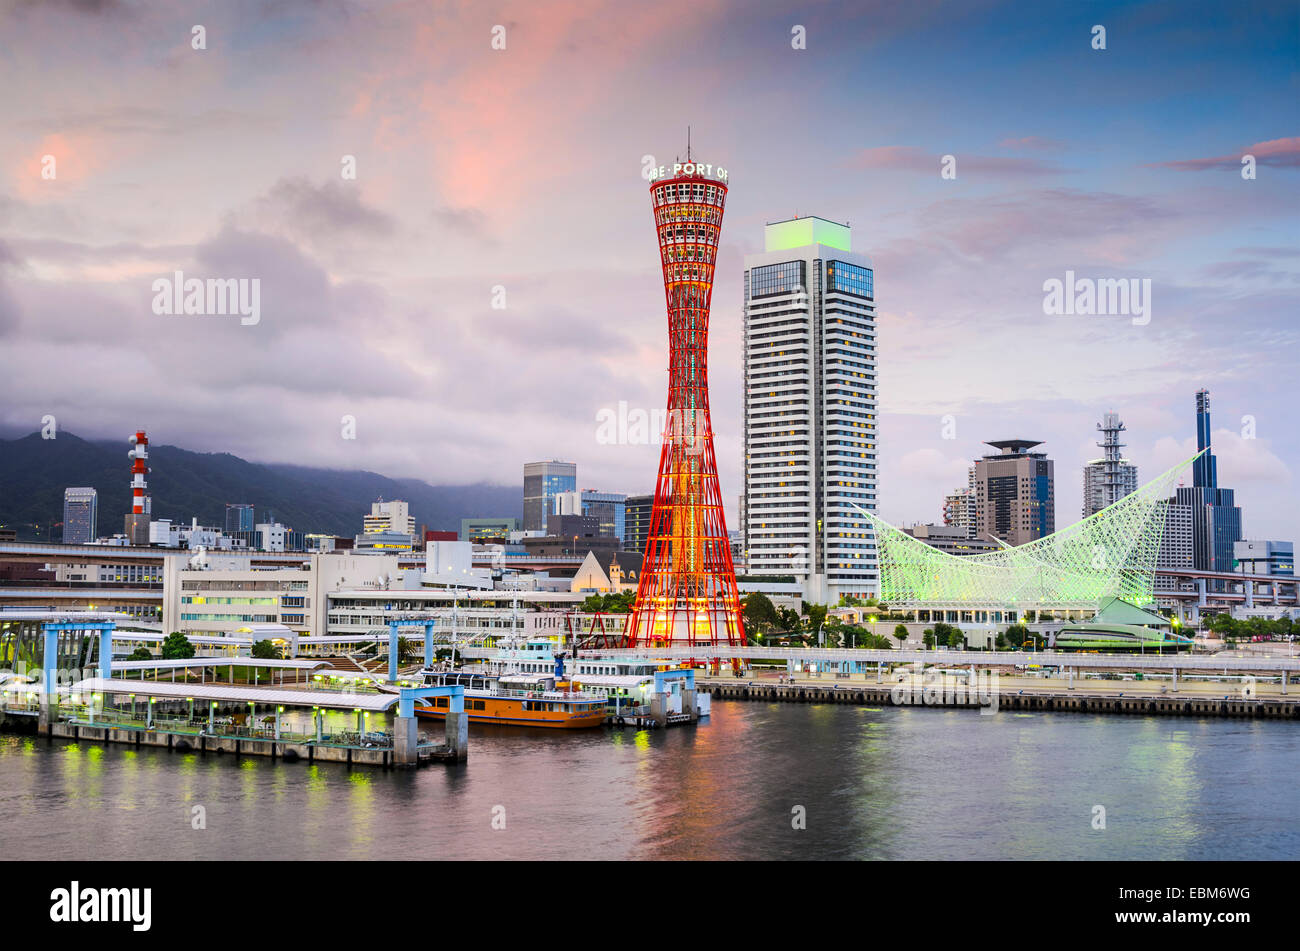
x,y
138,454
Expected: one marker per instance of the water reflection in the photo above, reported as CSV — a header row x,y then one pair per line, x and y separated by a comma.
x,y
870,783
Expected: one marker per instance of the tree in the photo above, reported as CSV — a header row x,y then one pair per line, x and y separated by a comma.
x,y
956,638
266,650
612,603
1015,636
789,621
1224,625
176,646
407,648
141,653
759,614
927,638
900,634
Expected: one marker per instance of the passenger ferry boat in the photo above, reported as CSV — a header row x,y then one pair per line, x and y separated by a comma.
x,y
625,684
518,699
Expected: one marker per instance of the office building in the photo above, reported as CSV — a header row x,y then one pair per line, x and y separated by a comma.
x,y
480,530
951,539
636,521
609,507
80,516
1274,559
1015,495
1176,550
273,536
1110,478
389,517
1216,519
810,409
543,481
959,508
239,517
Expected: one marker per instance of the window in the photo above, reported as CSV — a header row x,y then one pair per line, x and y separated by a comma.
x,y
847,278
786,278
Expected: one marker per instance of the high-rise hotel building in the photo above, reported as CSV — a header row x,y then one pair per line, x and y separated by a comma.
x,y
810,409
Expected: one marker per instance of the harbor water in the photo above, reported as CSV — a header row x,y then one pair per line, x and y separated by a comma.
x,y
755,781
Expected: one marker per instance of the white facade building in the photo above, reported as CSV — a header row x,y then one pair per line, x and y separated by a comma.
x,y
224,599
810,410
392,516
961,508
1176,538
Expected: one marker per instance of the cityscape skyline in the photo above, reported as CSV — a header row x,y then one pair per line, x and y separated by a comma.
x,y
381,287
943,425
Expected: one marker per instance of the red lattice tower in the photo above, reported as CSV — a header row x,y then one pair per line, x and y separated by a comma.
x,y
687,590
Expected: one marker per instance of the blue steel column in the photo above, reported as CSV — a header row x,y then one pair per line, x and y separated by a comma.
x,y
106,649
49,697
428,643
49,670
392,650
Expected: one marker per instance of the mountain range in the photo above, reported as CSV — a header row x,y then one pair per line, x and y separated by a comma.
x,y
184,484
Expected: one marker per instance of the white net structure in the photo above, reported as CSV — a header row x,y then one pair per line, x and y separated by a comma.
x,y
1109,554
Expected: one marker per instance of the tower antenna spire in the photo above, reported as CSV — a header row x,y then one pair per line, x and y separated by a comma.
x,y
688,143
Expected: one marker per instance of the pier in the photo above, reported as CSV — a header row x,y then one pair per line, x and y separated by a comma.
x,y
282,716
1053,699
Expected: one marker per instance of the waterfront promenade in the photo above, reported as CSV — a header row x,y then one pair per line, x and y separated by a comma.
x,y
1147,687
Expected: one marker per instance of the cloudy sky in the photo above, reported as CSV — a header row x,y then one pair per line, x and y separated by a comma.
x,y
520,168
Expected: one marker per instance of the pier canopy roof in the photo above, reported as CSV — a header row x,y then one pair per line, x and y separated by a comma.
x,y
197,662
225,693
1111,554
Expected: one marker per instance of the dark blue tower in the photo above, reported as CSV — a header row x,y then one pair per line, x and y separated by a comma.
x,y
1216,520
1204,473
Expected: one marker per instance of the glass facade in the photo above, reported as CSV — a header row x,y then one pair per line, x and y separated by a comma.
x,y
239,517
610,508
845,278
543,481
785,278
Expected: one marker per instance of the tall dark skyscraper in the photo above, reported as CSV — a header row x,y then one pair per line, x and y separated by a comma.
x,y
80,516
1216,520
637,522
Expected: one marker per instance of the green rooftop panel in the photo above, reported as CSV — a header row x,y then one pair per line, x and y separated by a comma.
x,y
801,232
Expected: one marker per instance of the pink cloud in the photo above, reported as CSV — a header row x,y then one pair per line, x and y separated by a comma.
x,y
1279,153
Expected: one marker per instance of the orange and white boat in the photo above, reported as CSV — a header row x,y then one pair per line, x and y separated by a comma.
x,y
516,700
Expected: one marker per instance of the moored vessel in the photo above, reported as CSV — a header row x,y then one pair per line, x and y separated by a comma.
x,y
517,699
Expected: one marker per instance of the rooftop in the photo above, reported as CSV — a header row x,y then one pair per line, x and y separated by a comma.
x,y
805,231
1014,446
